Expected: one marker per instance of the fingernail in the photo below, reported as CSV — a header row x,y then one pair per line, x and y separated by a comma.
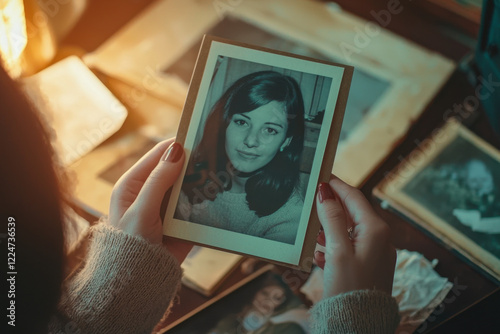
x,y
325,192
173,153
320,256
321,238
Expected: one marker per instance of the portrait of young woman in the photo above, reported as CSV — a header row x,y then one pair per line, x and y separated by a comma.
x,y
246,172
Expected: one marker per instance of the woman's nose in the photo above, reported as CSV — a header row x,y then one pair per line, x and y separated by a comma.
x,y
251,139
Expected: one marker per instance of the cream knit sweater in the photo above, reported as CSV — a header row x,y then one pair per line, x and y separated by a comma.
x,y
126,284
230,211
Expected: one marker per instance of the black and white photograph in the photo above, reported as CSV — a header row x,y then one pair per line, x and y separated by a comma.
x,y
264,305
256,142
455,190
469,182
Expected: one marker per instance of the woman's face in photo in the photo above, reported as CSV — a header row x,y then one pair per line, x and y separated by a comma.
x,y
253,138
268,299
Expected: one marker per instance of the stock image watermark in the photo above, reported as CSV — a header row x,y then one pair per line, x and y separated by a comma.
x,y
222,7
92,137
11,271
453,295
371,29
427,147
265,302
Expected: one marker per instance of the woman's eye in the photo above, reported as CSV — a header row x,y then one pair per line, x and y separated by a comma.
x,y
240,122
270,131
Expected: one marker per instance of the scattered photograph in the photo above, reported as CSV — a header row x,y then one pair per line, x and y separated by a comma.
x,y
366,89
462,187
264,305
453,187
256,140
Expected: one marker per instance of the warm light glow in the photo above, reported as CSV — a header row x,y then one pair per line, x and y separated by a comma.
x,y
13,36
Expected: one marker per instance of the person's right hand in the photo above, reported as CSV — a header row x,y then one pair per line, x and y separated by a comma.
x,y
138,194
367,260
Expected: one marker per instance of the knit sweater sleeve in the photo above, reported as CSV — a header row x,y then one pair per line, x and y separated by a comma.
x,y
125,286
364,311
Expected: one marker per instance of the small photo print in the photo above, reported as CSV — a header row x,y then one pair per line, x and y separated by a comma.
x,y
264,305
255,144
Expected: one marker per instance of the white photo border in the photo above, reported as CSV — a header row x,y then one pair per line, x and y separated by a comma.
x,y
233,241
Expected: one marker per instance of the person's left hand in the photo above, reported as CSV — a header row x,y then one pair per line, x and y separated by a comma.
x,y
138,194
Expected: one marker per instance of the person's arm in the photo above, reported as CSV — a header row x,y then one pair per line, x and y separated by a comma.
x,y
129,278
125,285
358,266
360,311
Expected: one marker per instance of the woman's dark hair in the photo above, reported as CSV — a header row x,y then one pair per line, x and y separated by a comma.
x,y
30,198
270,187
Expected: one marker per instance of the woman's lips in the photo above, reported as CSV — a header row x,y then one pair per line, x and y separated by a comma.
x,y
247,155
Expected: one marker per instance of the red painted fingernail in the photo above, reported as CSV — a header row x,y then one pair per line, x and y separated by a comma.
x,y
173,153
320,256
321,239
325,192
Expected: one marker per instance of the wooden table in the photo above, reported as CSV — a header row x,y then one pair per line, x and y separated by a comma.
x,y
98,24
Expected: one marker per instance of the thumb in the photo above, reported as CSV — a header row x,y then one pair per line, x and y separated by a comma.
x,y
161,179
333,219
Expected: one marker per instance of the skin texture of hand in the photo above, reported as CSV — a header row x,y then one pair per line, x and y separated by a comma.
x,y
138,194
365,262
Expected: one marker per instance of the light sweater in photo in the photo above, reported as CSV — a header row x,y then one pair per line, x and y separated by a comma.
x,y
230,211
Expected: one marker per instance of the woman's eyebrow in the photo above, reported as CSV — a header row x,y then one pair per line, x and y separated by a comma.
x,y
247,117
272,123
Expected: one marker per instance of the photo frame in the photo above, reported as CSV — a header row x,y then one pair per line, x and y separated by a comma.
x,y
450,187
244,127
412,73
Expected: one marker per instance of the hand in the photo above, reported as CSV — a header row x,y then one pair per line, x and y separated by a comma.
x,y
138,194
364,261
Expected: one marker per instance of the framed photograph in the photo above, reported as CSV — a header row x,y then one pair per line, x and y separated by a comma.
x,y
262,303
250,176
450,186
393,82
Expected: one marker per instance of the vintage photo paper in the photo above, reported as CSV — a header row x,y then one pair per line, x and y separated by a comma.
x,y
252,165
451,187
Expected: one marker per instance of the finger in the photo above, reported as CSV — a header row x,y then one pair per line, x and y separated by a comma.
x,y
128,186
321,238
141,170
356,204
368,225
160,180
333,219
319,259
